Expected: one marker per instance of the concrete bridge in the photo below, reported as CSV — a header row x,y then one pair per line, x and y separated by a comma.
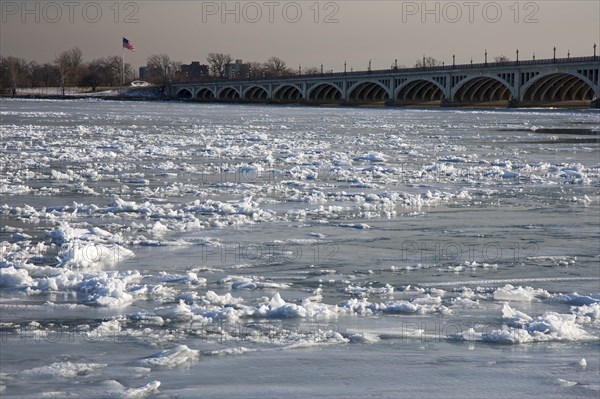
x,y
546,82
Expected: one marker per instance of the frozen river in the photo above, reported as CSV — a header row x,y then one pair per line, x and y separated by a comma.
x,y
176,250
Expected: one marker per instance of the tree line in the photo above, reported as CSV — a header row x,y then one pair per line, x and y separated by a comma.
x,y
69,69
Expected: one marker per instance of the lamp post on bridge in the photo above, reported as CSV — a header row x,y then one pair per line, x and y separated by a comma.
x,y
299,69
344,67
568,54
486,57
321,68
396,60
594,50
554,56
534,55
370,65
453,60
517,56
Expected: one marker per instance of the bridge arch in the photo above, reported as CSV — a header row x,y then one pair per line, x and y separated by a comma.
x,y
325,92
183,93
256,93
558,87
422,90
205,94
229,93
287,93
482,89
368,91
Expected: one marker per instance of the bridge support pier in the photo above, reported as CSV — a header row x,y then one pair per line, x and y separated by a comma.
x,y
595,103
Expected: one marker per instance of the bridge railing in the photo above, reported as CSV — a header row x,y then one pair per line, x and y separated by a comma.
x,y
436,68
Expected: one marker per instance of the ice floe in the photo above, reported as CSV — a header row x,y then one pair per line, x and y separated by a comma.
x,y
169,358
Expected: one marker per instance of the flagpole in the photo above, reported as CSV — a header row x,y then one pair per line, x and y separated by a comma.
x,y
122,64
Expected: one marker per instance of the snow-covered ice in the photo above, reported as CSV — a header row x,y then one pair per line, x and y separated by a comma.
x,y
195,250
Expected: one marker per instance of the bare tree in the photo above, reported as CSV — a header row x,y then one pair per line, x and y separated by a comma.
x,y
311,71
14,73
114,69
68,64
501,58
33,70
218,63
62,66
76,60
427,62
49,74
94,74
175,69
275,66
162,65
104,72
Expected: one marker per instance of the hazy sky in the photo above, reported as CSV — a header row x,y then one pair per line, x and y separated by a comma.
x,y
305,32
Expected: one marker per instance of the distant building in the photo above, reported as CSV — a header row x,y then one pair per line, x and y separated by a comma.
x,y
194,71
144,73
151,74
237,70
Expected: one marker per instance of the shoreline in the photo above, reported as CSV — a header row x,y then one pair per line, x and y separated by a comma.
x,y
302,104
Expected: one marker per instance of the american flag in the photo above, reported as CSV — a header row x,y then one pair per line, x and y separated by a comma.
x,y
128,45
